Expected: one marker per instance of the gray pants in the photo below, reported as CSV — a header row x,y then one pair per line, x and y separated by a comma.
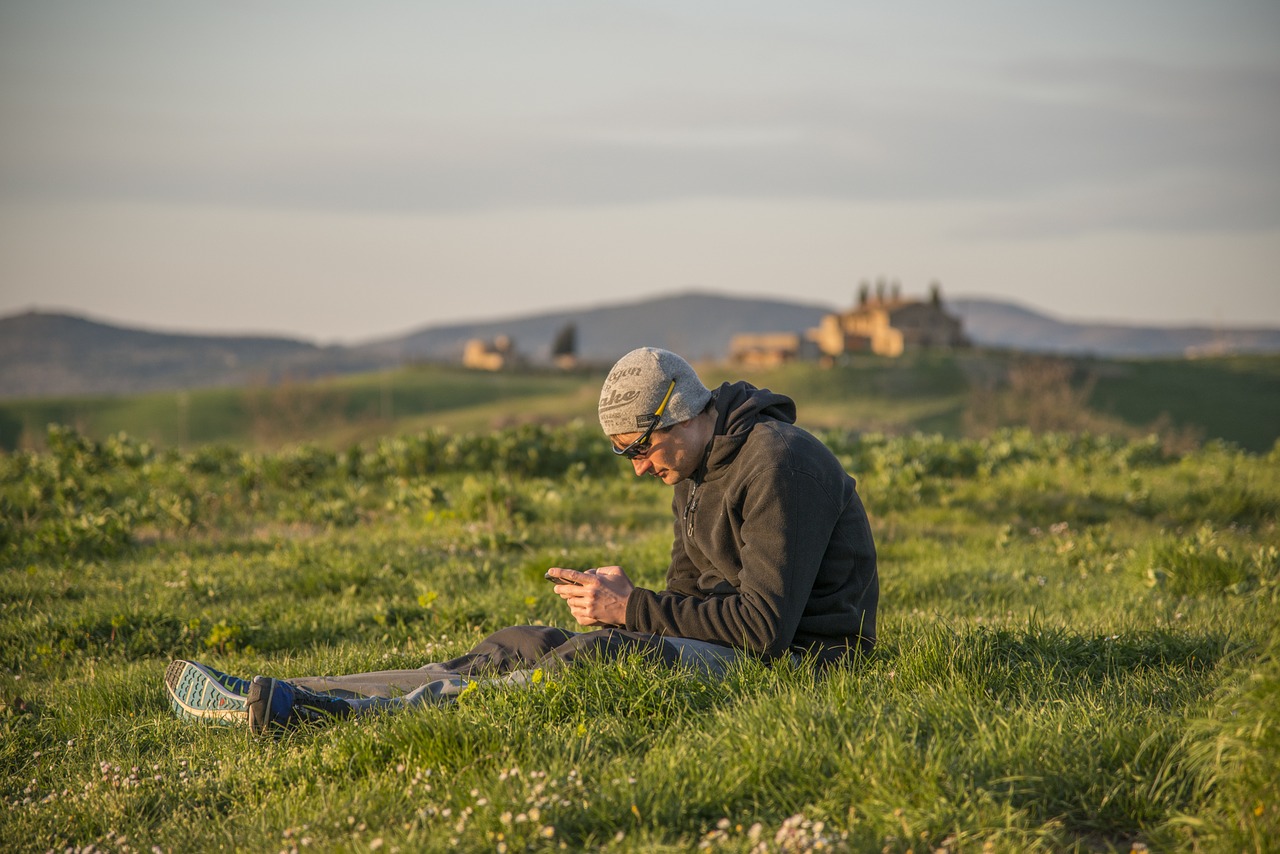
x,y
510,657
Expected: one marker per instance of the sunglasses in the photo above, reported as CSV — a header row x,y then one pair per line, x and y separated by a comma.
x,y
640,446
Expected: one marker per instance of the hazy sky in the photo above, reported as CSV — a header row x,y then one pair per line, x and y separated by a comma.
x,y
341,171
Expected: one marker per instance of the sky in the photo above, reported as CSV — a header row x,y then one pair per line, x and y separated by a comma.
x,y
345,171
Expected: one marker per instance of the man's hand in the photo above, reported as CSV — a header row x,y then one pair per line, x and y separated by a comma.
x,y
597,597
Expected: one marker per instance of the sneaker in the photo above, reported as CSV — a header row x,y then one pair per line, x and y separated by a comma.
x,y
274,704
269,703
200,693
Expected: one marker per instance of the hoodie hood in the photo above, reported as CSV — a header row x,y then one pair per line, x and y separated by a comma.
x,y
740,407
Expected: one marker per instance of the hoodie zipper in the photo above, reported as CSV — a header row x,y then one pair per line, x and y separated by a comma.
x,y
690,509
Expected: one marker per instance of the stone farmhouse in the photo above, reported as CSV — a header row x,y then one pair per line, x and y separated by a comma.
x,y
885,324
889,325
770,349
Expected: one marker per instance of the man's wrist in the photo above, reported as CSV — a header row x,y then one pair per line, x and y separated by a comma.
x,y
626,607
633,608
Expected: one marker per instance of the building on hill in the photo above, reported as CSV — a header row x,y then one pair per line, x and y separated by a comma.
x,y
888,325
492,355
769,349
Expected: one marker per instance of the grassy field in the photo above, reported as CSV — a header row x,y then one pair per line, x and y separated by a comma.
x,y
953,394
1078,651
1237,398
334,410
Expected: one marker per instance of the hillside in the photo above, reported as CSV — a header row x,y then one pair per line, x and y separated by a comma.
x,y
995,323
698,325
59,355
965,393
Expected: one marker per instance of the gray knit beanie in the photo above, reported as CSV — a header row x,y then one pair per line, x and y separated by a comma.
x,y
637,385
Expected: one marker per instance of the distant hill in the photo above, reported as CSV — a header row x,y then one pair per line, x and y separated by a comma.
x,y
59,354
994,323
698,325
48,355
701,326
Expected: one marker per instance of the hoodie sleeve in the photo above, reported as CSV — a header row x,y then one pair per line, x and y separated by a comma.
x,y
787,517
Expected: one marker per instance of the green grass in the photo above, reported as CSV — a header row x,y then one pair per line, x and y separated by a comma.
x,y
952,394
1078,651
1235,397
922,391
341,409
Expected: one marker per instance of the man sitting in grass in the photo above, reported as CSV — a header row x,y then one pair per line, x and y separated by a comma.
x,y
773,557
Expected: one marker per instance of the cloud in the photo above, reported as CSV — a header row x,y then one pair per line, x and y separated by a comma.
x,y
1074,143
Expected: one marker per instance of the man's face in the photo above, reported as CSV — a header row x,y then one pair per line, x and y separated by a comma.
x,y
670,455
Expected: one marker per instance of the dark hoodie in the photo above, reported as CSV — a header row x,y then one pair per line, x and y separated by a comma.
x,y
773,551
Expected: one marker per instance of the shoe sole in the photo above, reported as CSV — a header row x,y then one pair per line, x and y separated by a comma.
x,y
196,695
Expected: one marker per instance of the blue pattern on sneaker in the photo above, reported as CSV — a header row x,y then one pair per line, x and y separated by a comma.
x,y
200,693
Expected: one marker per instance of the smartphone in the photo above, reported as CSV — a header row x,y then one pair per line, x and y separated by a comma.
x,y
555,580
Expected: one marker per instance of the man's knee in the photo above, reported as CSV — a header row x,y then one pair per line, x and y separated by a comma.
x,y
524,644
609,644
